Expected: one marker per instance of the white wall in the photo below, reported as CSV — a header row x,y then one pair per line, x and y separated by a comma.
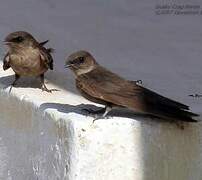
x,y
47,136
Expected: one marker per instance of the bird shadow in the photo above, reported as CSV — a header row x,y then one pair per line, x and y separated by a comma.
x,y
81,109
23,82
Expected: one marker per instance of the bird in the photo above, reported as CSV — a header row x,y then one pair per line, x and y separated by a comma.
x,y
27,57
100,85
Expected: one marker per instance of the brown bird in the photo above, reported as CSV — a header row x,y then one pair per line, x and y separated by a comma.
x,y
27,57
101,86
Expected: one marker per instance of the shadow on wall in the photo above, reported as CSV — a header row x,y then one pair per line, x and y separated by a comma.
x,y
7,81
67,83
82,109
64,80
33,82
124,113
66,108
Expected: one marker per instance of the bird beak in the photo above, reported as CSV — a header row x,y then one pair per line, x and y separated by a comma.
x,y
67,65
6,42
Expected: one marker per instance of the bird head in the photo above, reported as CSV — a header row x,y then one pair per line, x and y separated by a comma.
x,y
80,62
19,39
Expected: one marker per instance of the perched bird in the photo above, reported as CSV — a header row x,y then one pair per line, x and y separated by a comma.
x,y
27,57
102,86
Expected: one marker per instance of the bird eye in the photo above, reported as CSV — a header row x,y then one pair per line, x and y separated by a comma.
x,y
81,60
71,62
18,39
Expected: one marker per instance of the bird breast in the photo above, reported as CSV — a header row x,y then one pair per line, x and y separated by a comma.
x,y
27,62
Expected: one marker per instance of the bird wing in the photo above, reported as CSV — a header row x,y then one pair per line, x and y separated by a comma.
x,y
164,107
103,84
43,43
50,50
46,57
6,62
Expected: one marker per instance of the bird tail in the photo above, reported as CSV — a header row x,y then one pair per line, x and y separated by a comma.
x,y
166,108
176,114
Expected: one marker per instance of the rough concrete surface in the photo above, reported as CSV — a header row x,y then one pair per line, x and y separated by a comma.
x,y
48,136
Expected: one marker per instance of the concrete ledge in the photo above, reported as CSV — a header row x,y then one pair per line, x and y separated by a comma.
x,y
46,136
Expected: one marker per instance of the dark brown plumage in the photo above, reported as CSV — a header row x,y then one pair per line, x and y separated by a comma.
x,y
104,87
27,57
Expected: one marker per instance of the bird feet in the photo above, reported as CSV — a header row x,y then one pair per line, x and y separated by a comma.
x,y
44,88
100,117
100,113
12,85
